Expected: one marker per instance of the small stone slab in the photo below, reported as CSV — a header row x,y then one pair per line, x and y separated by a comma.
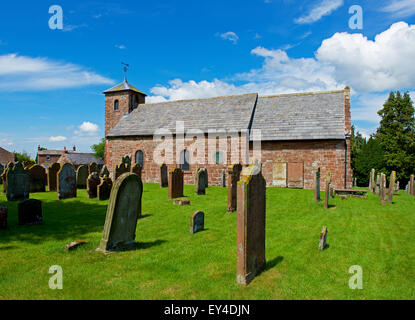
x,y
182,202
197,222
323,238
74,245
30,212
3,218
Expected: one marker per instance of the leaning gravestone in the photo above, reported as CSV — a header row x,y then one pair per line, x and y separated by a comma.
x,y
122,214
81,176
326,199
3,217
250,224
234,173
197,222
18,183
164,179
92,184
30,212
52,176
323,238
175,183
66,179
104,172
391,190
200,181
37,178
92,167
317,185
104,189
223,178
9,166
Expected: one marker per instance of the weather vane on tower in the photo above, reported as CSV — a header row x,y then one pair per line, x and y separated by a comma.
x,y
126,66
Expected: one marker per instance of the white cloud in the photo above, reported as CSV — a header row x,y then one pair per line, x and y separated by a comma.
x,y
400,8
383,64
324,8
87,128
6,142
231,36
120,46
57,138
19,73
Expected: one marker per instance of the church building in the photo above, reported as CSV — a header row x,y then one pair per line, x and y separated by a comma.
x,y
293,135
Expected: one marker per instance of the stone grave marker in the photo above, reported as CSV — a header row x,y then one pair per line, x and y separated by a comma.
x,y
323,238
223,178
30,212
92,167
8,167
1,170
53,170
175,183
137,169
104,189
37,176
316,185
82,174
382,190
92,184
66,178
104,172
411,185
3,217
250,224
200,183
18,183
234,173
391,190
197,222
326,199
121,169
122,214
397,187
372,183
377,186
74,245
164,178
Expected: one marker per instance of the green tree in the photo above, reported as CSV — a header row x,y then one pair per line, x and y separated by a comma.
x,y
99,149
356,144
396,135
24,156
369,157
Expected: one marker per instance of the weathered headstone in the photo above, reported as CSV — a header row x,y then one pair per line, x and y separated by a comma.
x,y
122,214
316,183
372,180
66,178
164,178
104,172
121,169
175,183
391,190
354,182
407,188
223,178
200,181
234,173
197,222
382,192
37,178
326,199
411,185
205,172
3,217
397,187
104,189
323,238
1,171
126,159
250,224
53,170
137,169
377,185
74,245
27,164
30,212
182,202
92,184
18,183
92,167
82,174
8,167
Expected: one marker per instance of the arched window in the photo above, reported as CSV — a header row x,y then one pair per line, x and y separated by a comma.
x,y
116,104
184,160
139,158
218,157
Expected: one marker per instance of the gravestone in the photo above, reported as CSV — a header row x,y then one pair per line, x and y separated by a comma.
x,y
9,166
92,184
82,174
197,222
104,172
122,214
323,238
30,212
316,181
397,187
326,199
205,172
1,171
126,159
66,182
200,183
104,189
411,185
121,169
3,217
372,180
18,183
92,167
74,245
164,179
391,190
377,186
407,188
53,170
37,178
382,191
137,169
354,182
27,164
223,178
175,183
234,173
250,224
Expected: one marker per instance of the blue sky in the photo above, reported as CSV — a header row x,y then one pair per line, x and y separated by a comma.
x,y
51,81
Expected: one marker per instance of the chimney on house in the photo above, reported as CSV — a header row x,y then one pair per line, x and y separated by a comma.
x,y
74,148
64,149
38,147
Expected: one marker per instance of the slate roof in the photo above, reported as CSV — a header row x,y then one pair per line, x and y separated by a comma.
x,y
232,113
303,116
122,87
50,152
307,116
82,158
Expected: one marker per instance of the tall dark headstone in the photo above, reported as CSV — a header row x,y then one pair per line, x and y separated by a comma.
x,y
197,222
104,172
37,178
104,189
8,167
53,170
18,183
122,214
250,224
137,169
326,199
391,190
3,217
92,184
30,212
223,178
200,181
316,181
92,168
382,192
175,183
234,173
164,177
82,174
66,178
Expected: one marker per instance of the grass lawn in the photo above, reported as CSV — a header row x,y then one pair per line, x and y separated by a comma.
x,y
172,264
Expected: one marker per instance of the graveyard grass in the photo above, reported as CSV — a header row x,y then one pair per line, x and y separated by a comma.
x,y
170,263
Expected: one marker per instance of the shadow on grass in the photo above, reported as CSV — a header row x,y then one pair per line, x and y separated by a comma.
x,y
145,216
271,264
146,245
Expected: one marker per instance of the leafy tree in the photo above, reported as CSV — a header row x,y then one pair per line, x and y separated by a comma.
x,y
396,135
24,156
99,149
356,144
369,157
